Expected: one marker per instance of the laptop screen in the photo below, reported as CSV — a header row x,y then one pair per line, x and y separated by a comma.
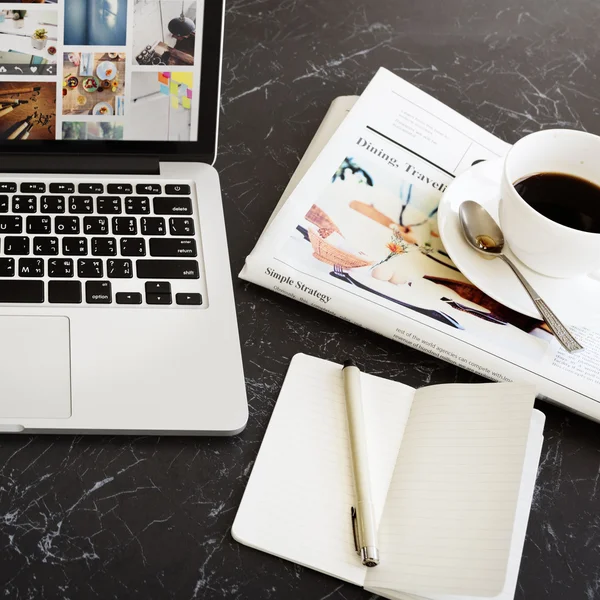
x,y
113,70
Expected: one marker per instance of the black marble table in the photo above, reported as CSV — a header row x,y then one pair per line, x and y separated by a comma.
x,y
110,517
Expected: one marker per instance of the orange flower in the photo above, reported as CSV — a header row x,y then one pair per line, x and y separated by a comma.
x,y
394,248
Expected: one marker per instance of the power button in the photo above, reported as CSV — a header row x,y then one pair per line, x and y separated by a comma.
x,y
177,189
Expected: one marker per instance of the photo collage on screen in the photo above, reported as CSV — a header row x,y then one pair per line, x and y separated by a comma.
x,y
100,69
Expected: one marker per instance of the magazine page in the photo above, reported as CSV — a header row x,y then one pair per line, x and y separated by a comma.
x,y
358,238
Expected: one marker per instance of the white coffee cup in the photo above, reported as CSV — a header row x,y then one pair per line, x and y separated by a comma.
x,y
542,244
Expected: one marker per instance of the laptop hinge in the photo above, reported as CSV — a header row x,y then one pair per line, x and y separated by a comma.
x,y
93,164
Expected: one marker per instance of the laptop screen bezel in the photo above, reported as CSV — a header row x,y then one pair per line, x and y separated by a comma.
x,y
203,150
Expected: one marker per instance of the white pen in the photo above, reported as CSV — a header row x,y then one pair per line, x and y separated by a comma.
x,y
363,514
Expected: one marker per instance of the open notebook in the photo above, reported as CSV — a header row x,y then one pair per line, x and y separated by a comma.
x,y
453,469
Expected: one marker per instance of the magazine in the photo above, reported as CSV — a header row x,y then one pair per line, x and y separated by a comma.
x,y
356,235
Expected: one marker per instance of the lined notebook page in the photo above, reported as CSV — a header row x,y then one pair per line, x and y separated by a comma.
x,y
450,509
297,502
527,488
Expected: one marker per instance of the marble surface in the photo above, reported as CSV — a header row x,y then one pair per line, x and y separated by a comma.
x,y
109,517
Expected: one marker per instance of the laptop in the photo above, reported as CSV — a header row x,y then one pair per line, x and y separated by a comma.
x,y
117,312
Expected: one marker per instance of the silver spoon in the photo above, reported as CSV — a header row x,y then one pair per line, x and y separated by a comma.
x,y
483,234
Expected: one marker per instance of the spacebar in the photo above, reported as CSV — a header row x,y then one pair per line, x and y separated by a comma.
x,y
20,290
167,269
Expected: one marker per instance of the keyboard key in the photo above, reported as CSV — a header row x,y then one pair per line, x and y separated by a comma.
x,y
66,225
89,268
3,203
109,205
11,224
153,226
95,225
60,267
64,292
137,205
119,268
177,189
124,226
16,245
98,292
104,246
81,204
45,246
90,188
128,298
167,269
181,226
31,187
188,299
21,290
53,204
133,247
172,247
31,267
39,224
172,206
7,267
119,188
62,188
24,204
158,287
159,299
148,188
74,246
8,186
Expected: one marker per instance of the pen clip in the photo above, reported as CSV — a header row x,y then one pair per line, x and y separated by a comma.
x,y
354,529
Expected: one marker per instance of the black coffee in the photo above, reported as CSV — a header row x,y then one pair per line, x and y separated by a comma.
x,y
565,199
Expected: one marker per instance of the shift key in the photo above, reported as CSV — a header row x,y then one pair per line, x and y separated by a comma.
x,y
167,269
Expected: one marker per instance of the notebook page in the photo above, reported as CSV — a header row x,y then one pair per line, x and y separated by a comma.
x,y
527,488
450,509
297,502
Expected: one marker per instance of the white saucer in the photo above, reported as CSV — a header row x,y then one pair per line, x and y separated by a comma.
x,y
575,301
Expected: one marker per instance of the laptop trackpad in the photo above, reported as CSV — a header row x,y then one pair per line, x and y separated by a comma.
x,y
35,368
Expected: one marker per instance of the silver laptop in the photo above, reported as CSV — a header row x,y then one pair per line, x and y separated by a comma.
x,y
116,305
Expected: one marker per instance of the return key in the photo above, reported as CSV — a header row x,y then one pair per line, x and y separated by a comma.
x,y
172,247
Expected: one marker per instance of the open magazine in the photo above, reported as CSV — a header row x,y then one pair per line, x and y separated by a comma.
x,y
355,234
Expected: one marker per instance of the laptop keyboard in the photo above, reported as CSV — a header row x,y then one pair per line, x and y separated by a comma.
x,y
93,243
